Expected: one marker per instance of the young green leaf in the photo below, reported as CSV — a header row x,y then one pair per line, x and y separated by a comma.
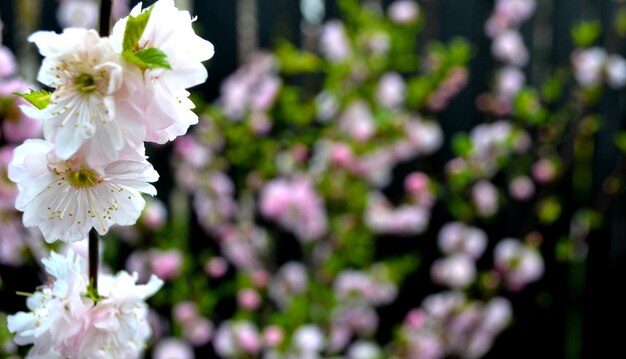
x,y
148,58
40,99
134,29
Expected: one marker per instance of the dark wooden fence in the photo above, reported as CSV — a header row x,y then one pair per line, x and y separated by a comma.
x,y
568,323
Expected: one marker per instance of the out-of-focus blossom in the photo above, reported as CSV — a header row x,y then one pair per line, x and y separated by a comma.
x,y
357,286
456,237
198,332
425,136
273,336
290,280
544,171
391,90
166,264
296,206
588,66
334,42
171,348
249,299
485,198
309,339
364,350
154,215
509,81
518,263
509,48
253,87
8,65
216,267
78,13
457,271
616,71
404,11
245,246
357,121
452,325
214,201
235,339
381,218
522,188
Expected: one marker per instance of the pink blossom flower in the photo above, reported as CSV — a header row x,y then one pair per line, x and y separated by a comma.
x,y
216,267
522,188
185,312
166,264
296,206
249,299
544,171
198,332
273,336
8,66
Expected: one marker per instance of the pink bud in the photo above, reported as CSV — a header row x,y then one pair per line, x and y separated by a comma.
x,y
544,171
260,278
166,264
416,183
216,267
185,312
249,299
415,319
273,336
522,188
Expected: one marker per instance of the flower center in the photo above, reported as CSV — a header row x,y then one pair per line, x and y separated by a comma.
x,y
85,84
84,177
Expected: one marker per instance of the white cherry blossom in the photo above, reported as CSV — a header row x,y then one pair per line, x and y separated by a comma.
x,y
86,73
166,108
66,198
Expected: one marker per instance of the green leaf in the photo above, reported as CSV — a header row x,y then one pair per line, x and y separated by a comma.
x,y
134,29
40,99
148,58
461,144
586,33
620,141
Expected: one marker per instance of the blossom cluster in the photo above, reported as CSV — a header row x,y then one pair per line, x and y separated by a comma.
x,y
110,96
66,320
89,172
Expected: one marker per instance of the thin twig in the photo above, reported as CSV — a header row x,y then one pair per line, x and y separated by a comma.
x,y
94,258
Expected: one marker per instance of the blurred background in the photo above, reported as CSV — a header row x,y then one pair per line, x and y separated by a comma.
x,y
374,179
